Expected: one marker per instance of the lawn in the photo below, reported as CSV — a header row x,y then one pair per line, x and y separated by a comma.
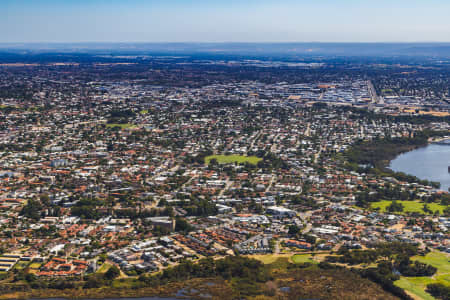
x,y
267,258
302,258
227,159
408,206
105,267
439,260
418,285
144,111
121,126
415,285
2,106
21,265
35,265
124,283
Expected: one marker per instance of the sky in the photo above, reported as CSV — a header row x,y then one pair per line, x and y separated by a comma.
x,y
56,21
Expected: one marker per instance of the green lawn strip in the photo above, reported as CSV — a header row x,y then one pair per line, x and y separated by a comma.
x,y
35,265
409,206
303,258
418,285
21,265
125,283
226,159
415,285
265,259
122,126
105,267
439,260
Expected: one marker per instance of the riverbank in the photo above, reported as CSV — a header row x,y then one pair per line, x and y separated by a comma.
x,y
281,279
168,291
440,140
375,156
430,162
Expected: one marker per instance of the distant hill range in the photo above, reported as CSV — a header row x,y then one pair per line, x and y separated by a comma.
x,y
286,49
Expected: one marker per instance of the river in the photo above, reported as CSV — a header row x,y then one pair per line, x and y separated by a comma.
x,y
430,162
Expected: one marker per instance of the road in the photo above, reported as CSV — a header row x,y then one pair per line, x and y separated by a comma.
x,y
305,216
254,141
228,184
372,92
274,145
277,247
270,183
308,130
316,156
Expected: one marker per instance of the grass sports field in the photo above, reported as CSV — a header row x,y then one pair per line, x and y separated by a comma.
x,y
409,206
122,126
268,258
228,159
302,258
418,285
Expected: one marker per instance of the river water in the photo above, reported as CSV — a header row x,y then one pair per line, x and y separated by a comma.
x,y
430,162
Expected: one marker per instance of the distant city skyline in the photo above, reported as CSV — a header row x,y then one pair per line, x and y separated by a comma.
x,y
69,21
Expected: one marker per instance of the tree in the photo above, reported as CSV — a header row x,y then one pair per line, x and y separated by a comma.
x,y
112,273
395,207
32,210
309,238
182,225
293,229
45,199
94,281
439,290
426,209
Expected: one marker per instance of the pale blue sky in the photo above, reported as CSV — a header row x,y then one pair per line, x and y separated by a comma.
x,y
224,21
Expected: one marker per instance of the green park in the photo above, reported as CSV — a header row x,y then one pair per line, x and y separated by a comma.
x,y
230,159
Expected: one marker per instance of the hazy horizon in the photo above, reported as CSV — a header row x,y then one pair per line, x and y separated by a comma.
x,y
280,50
